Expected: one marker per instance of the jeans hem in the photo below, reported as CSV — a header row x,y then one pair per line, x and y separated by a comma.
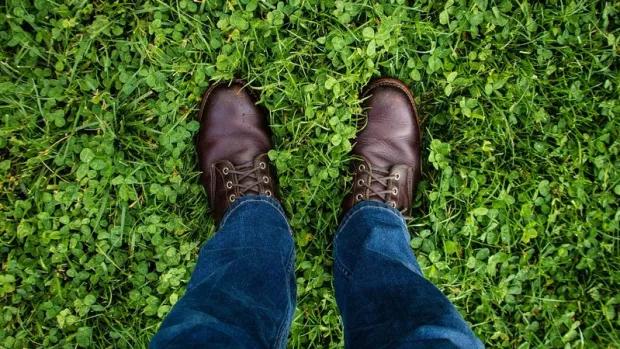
x,y
256,199
368,205
362,206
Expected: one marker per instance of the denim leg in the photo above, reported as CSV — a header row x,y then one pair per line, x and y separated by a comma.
x,y
242,291
384,299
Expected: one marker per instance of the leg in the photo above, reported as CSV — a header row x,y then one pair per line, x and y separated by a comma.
x,y
242,291
384,299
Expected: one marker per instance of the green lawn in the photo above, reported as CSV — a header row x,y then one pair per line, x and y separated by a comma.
x,y
517,219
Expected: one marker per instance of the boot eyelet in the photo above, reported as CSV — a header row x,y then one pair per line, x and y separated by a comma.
x,y
394,191
232,198
263,165
361,168
359,197
396,176
268,193
393,204
265,179
225,170
229,185
360,182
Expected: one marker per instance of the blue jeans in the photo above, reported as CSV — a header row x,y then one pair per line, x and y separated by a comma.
x,y
242,291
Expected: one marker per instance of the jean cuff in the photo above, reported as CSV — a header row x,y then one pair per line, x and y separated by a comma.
x,y
253,199
370,206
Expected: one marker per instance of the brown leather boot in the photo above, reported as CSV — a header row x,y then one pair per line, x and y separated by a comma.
x,y
232,146
386,161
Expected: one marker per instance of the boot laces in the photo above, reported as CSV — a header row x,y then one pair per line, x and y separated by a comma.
x,y
379,176
382,177
251,172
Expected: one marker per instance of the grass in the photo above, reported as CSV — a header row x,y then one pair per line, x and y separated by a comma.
x,y
101,213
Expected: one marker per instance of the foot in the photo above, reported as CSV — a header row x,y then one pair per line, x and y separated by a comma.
x,y
387,151
232,146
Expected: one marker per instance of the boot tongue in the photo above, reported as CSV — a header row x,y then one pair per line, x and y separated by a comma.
x,y
250,179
